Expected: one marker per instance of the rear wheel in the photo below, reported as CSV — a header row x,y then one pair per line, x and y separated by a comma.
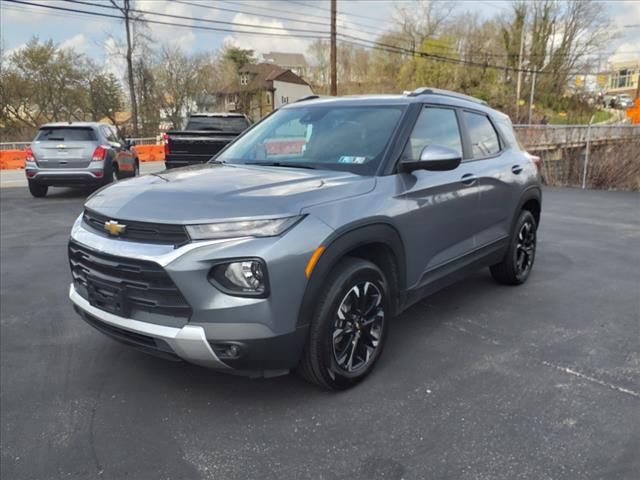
x,y
136,169
515,267
38,190
349,327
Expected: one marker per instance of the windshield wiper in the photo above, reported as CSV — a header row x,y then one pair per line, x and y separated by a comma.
x,y
282,164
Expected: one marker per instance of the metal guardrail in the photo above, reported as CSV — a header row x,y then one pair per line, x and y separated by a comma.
x,y
547,137
23,145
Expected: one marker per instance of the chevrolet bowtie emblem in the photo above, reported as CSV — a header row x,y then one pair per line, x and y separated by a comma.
x,y
61,146
114,228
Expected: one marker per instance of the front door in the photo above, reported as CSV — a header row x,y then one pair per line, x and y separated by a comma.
x,y
440,219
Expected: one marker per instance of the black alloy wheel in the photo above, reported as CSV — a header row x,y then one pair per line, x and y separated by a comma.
x,y
358,326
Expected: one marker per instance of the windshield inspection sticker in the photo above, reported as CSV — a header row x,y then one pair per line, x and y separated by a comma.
x,y
348,159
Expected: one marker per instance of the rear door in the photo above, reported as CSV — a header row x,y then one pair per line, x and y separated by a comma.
x,y
498,170
64,146
123,156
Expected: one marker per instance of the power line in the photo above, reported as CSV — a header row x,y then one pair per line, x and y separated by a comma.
x,y
171,24
206,20
350,38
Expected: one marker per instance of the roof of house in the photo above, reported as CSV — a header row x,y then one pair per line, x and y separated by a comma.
x,y
286,59
262,76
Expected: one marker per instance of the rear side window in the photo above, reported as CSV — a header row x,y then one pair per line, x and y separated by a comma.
x,y
435,126
507,133
484,138
109,134
65,134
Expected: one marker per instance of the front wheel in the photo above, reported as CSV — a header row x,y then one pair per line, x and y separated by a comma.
x,y
38,190
515,267
349,327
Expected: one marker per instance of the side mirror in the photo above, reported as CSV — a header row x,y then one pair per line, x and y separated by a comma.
x,y
129,142
434,157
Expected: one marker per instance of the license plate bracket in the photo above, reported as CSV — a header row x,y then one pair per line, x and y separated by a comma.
x,y
107,296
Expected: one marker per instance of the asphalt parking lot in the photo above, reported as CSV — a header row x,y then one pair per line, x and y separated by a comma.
x,y
479,381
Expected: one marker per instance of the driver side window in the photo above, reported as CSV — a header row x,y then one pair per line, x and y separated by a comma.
x,y
435,126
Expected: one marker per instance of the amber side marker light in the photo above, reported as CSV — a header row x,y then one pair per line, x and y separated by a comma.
x,y
313,260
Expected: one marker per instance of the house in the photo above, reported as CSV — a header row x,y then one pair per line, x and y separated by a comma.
x,y
622,77
260,89
290,61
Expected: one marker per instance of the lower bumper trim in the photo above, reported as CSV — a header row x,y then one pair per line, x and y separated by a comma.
x,y
188,342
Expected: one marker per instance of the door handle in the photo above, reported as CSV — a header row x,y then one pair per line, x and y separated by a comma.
x,y
516,169
469,179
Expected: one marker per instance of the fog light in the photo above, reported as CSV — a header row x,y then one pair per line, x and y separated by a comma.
x,y
233,351
243,277
246,275
227,350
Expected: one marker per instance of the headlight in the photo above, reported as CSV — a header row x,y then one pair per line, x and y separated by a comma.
x,y
242,277
246,228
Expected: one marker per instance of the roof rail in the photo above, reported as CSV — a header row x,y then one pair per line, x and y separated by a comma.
x,y
308,97
445,93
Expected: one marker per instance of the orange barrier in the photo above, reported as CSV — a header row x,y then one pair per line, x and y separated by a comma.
x,y
11,159
150,153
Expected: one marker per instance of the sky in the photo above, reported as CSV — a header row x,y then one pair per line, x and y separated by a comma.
x,y
98,36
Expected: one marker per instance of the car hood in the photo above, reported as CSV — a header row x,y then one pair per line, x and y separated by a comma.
x,y
215,192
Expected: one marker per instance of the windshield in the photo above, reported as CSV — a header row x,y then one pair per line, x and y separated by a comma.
x,y
222,124
69,134
333,138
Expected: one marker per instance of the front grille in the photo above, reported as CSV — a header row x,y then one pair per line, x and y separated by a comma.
x,y
122,285
139,231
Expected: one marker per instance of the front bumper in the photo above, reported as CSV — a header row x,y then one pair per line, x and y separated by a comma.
x,y
188,342
268,332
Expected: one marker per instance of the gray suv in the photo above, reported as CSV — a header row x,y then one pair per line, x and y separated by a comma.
x,y
78,154
299,242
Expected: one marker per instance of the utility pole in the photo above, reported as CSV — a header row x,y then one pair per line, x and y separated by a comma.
x,y
125,9
334,59
519,82
533,89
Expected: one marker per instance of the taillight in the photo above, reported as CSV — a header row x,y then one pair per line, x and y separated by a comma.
x,y
99,154
165,142
28,155
537,161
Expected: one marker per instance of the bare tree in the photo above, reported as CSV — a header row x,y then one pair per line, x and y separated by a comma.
x,y
416,22
125,9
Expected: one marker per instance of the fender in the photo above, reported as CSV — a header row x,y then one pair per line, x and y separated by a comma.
x,y
530,193
338,244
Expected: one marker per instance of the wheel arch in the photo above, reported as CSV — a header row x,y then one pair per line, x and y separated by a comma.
x,y
377,242
530,200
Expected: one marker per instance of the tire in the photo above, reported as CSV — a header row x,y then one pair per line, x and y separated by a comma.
x,y
38,190
331,359
111,174
136,169
515,267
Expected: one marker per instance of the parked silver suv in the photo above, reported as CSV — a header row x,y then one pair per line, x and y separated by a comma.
x,y
78,154
298,244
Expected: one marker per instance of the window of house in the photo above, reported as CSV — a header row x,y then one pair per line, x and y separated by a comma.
x,y
484,138
435,126
244,79
268,98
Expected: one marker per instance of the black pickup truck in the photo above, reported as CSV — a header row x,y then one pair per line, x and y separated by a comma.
x,y
204,135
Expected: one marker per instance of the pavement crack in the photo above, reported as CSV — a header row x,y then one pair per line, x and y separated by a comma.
x,y
591,379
